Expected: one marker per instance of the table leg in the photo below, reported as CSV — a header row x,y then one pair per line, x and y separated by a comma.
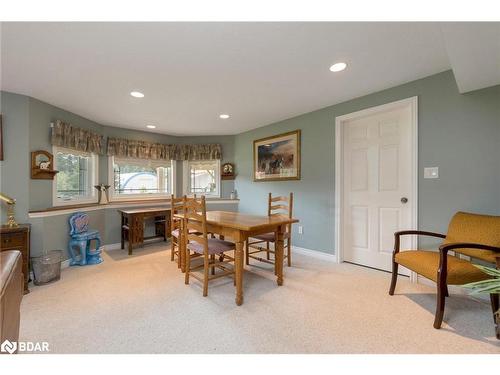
x,y
238,268
278,255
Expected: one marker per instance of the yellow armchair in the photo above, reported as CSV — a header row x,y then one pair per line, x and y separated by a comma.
x,y
477,236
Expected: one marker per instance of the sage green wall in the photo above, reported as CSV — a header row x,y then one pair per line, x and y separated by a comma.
x,y
458,133
14,169
26,128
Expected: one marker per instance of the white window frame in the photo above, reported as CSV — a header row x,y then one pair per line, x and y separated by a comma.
x,y
93,178
187,180
145,197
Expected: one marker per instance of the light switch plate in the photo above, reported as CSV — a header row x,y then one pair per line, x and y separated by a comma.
x,y
431,172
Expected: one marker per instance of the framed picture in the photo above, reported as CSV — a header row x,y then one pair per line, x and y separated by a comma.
x,y
1,139
277,158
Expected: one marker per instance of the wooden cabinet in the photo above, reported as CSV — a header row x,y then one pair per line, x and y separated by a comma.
x,y
18,239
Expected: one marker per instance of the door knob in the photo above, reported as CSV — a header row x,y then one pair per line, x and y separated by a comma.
x,y
404,200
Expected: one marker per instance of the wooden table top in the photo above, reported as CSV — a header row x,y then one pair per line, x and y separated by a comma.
x,y
244,222
144,210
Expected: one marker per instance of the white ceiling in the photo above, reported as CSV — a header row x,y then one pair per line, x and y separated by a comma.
x,y
190,73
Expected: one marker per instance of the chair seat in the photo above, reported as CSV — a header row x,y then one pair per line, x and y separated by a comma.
x,y
89,235
176,233
269,237
426,263
215,246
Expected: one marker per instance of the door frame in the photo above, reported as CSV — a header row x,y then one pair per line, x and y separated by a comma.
x,y
412,103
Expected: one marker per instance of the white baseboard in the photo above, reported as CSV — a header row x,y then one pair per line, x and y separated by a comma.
x,y
315,254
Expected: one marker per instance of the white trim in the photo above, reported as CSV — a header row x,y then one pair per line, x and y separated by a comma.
x,y
185,178
94,159
339,120
118,205
315,254
144,197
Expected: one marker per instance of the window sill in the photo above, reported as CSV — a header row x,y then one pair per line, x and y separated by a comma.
x,y
63,210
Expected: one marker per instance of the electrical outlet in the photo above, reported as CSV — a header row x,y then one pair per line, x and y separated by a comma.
x,y
301,229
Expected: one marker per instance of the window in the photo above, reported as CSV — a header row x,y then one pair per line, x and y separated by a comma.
x,y
202,177
76,178
141,178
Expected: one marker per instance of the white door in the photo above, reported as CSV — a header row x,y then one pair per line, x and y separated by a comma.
x,y
378,175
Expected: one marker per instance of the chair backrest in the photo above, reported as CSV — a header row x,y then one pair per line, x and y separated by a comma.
x,y
195,216
176,206
281,205
78,223
475,228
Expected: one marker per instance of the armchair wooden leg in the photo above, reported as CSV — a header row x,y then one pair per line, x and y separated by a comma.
x,y
495,306
446,292
438,319
394,278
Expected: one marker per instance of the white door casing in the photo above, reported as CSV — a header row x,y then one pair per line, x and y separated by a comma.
x,y
376,166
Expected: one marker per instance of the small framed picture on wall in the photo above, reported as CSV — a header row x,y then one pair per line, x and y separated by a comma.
x,y
277,158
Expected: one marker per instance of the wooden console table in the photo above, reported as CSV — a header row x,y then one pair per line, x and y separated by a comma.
x,y
132,226
18,239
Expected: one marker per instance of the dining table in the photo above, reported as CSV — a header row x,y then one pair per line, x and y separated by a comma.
x,y
239,227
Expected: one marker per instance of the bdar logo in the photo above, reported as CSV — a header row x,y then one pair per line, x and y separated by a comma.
x,y
8,347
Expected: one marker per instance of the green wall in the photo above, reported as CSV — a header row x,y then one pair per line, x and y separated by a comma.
x,y
458,133
26,128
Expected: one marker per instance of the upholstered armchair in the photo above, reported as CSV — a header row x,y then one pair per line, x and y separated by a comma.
x,y
473,235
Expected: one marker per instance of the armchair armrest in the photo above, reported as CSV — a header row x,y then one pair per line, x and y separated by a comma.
x,y
397,236
465,245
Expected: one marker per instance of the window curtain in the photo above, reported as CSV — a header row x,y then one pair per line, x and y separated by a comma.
x,y
127,148
66,135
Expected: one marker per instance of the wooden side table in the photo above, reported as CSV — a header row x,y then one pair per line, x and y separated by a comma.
x,y
18,239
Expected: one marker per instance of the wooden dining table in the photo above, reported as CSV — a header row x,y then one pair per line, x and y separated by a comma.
x,y
239,227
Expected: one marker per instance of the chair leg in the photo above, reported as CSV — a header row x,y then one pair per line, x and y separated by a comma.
x,y
188,267
212,261
289,253
446,292
205,275
247,256
495,306
441,295
172,251
394,278
268,257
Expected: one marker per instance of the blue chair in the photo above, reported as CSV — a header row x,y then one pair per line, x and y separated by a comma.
x,y
80,243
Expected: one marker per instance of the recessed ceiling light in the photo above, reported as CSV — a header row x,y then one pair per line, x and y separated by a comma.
x,y
338,67
151,126
137,94
224,116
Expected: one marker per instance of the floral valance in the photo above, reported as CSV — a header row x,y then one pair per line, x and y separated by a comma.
x,y
66,135
127,148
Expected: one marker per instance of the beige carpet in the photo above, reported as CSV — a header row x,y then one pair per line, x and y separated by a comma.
x,y
139,304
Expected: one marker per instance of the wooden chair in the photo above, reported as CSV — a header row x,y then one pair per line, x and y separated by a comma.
x,y
197,242
276,206
176,206
473,235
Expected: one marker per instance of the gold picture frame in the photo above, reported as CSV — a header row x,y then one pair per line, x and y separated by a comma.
x,y
277,158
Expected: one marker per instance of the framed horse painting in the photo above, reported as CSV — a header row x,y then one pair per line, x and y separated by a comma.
x,y
277,158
